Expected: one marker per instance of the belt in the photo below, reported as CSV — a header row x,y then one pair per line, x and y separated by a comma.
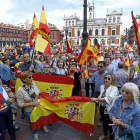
x,y
4,109
97,92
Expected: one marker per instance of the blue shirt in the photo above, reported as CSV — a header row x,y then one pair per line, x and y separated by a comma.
x,y
136,81
129,116
25,67
27,49
6,73
110,69
97,80
115,63
122,77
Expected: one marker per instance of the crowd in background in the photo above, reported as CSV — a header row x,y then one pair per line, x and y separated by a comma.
x,y
112,84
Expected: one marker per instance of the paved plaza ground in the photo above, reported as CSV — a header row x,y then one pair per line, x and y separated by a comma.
x,y
58,131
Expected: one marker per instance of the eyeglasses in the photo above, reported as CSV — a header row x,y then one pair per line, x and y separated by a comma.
x,y
125,91
100,66
107,78
46,67
30,77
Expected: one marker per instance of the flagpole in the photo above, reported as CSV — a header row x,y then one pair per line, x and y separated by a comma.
x,y
32,56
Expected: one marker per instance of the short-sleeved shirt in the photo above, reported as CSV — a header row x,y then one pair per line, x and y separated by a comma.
x,y
25,67
98,80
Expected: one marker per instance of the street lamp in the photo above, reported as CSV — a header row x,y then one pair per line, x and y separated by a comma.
x,y
109,39
84,34
126,37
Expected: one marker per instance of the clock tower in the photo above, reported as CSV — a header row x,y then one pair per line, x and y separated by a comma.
x,y
91,10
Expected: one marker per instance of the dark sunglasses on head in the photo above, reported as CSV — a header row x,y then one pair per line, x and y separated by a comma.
x,y
107,78
30,77
125,91
100,66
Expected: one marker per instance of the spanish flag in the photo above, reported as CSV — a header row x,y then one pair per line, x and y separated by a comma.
x,y
86,54
56,53
78,112
62,49
35,25
4,50
56,86
128,47
43,45
86,72
137,31
118,48
69,49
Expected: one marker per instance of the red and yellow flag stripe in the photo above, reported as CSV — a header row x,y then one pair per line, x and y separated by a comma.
x,y
78,112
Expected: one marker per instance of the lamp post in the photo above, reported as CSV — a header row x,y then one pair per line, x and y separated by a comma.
x,y
126,37
84,34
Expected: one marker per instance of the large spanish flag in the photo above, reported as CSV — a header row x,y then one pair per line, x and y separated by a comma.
x,y
78,112
137,32
56,86
43,45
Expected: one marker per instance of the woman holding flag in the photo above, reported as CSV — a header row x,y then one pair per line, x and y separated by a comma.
x,y
27,97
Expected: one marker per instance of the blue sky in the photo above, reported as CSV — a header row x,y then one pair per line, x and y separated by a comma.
x,y
16,11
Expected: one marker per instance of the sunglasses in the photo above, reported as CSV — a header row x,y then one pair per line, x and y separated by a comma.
x,y
30,77
107,78
46,67
100,66
125,91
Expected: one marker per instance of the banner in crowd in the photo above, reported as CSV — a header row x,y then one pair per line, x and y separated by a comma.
x,y
78,112
56,86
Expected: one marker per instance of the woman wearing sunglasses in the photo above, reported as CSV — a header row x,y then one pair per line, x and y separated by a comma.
x,y
108,92
125,113
27,96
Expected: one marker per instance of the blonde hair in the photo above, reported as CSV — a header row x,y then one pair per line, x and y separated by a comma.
x,y
113,77
133,88
24,75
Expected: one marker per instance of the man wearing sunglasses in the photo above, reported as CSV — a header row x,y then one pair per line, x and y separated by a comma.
x,y
97,79
121,75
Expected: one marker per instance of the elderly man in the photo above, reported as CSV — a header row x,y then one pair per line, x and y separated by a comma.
x,y
47,61
121,75
109,68
27,65
47,68
116,60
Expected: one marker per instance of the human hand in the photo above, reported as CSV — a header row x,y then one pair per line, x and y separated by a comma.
x,y
36,104
31,67
93,99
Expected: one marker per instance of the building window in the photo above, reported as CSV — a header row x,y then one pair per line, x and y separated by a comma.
x,y
110,20
69,34
118,19
2,34
90,32
103,32
103,42
78,33
69,23
53,37
138,21
2,29
66,23
113,32
50,36
96,32
113,41
72,22
95,42
114,19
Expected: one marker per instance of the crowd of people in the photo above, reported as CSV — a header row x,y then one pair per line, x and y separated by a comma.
x,y
114,88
